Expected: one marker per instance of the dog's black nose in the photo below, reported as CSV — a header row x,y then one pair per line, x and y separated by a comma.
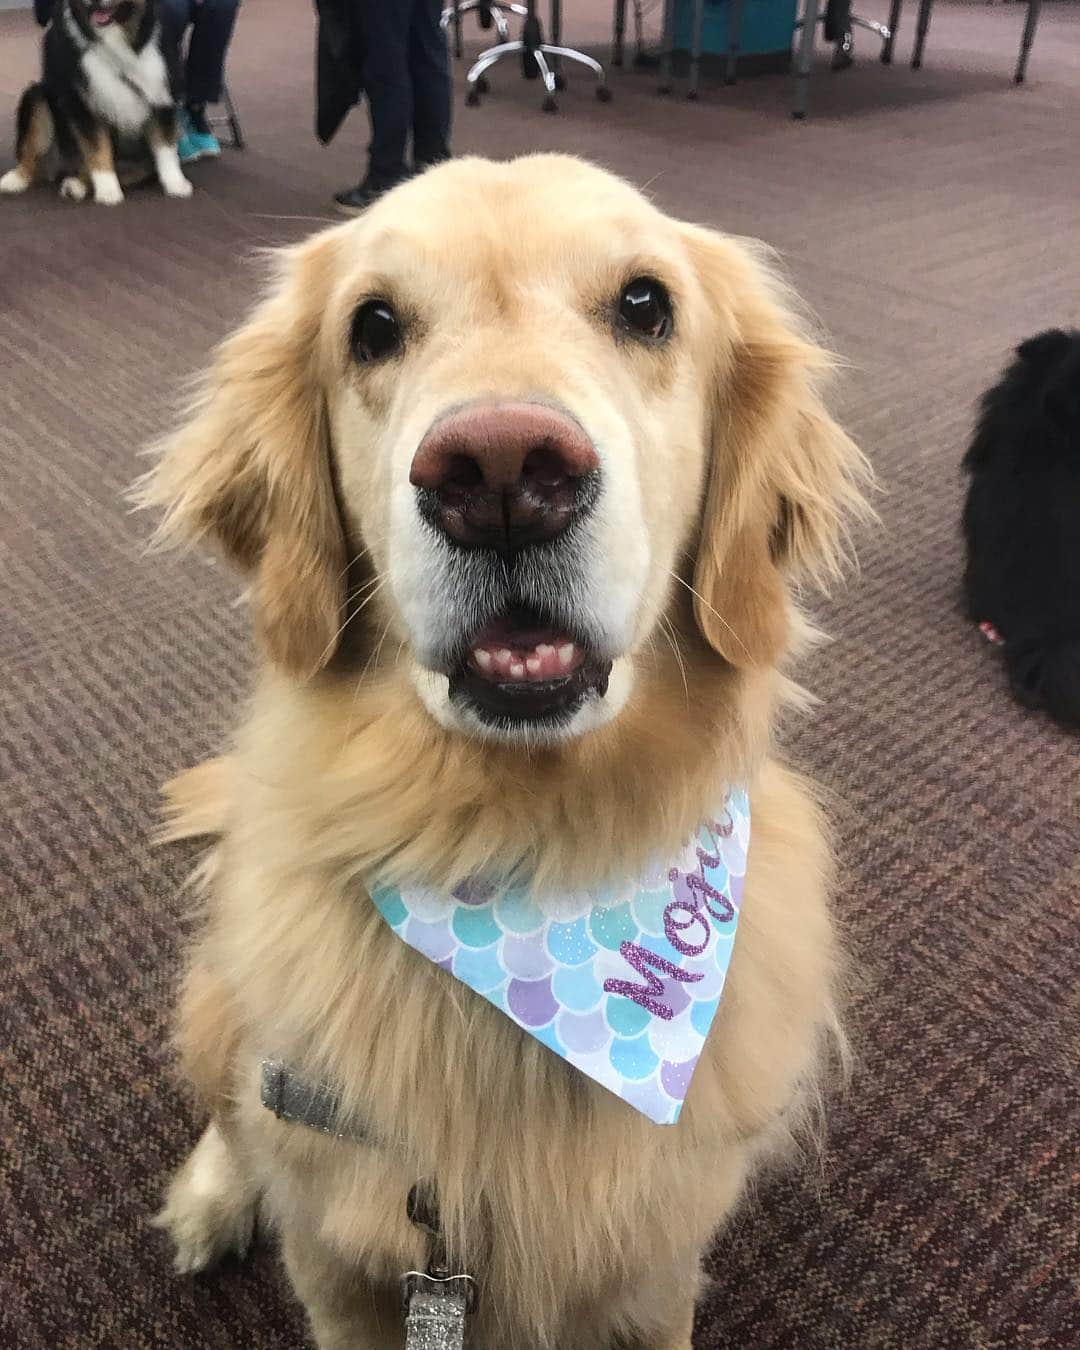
x,y
505,475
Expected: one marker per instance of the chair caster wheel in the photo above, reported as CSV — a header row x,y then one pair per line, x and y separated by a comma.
x,y
549,104
664,89
560,80
472,98
692,95
603,93
482,86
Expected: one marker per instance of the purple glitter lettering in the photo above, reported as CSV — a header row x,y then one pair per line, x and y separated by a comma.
x,y
645,995
708,892
672,928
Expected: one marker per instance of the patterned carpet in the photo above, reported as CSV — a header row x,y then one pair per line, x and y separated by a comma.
x,y
933,219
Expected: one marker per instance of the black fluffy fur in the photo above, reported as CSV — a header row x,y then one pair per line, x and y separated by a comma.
x,y
1022,521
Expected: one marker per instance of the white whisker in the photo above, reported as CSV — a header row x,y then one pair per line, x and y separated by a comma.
x,y
673,643
378,585
698,596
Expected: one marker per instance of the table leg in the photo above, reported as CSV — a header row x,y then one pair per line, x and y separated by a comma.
x,y
922,27
618,47
805,59
1030,24
894,24
667,47
695,48
734,38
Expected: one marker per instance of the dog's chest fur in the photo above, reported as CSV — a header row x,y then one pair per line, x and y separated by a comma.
x,y
122,84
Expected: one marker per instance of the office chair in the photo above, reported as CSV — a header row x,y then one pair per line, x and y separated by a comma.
x,y
491,14
534,53
230,119
839,22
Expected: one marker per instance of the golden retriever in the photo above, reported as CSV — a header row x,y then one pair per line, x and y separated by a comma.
x,y
524,496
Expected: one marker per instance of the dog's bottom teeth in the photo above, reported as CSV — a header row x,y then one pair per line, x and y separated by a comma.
x,y
539,662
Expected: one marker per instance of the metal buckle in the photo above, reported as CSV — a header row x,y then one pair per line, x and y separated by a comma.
x,y
435,1310
436,1302
440,1286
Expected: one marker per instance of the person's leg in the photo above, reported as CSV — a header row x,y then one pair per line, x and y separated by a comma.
x,y
389,93
175,17
388,87
211,29
429,65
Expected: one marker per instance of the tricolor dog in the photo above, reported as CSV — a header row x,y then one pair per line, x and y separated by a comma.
x,y
106,95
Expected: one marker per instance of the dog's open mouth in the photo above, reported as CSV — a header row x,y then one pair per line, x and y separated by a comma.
x,y
519,668
102,15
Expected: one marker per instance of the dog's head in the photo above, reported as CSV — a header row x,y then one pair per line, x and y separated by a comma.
x,y
525,417
95,17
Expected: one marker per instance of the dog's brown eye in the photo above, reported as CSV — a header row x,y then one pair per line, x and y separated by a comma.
x,y
376,332
645,309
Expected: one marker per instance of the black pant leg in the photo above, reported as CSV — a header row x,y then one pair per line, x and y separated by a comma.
x,y
429,63
388,86
211,28
175,15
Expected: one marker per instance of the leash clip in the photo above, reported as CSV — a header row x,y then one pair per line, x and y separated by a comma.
x,y
436,1302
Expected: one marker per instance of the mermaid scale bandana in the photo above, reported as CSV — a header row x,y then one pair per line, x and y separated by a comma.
x,y
624,984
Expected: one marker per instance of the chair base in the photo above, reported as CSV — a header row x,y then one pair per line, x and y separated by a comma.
x,y
535,62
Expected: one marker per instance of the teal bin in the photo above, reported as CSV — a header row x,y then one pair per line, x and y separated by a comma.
x,y
767,26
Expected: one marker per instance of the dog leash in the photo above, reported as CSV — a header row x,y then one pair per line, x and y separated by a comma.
x,y
437,1300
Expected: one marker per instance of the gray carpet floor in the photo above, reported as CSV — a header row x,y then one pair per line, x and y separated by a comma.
x,y
933,221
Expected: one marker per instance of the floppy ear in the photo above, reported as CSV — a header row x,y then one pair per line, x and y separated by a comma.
x,y
782,477
250,469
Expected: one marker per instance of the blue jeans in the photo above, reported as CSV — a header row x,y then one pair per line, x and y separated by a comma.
x,y
211,23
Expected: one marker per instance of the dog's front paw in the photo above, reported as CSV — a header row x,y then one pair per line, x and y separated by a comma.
x,y
73,188
209,1207
178,187
107,189
14,181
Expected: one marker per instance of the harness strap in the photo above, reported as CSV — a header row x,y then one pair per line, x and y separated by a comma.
x,y
438,1300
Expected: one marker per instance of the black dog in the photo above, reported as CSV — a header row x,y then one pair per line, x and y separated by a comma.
x,y
1022,522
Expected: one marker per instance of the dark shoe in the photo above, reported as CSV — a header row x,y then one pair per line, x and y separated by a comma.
x,y
356,199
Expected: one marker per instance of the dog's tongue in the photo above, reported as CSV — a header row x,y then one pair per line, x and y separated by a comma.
x,y
101,17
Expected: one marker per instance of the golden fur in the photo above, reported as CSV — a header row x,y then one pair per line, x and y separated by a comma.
x,y
584,1221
